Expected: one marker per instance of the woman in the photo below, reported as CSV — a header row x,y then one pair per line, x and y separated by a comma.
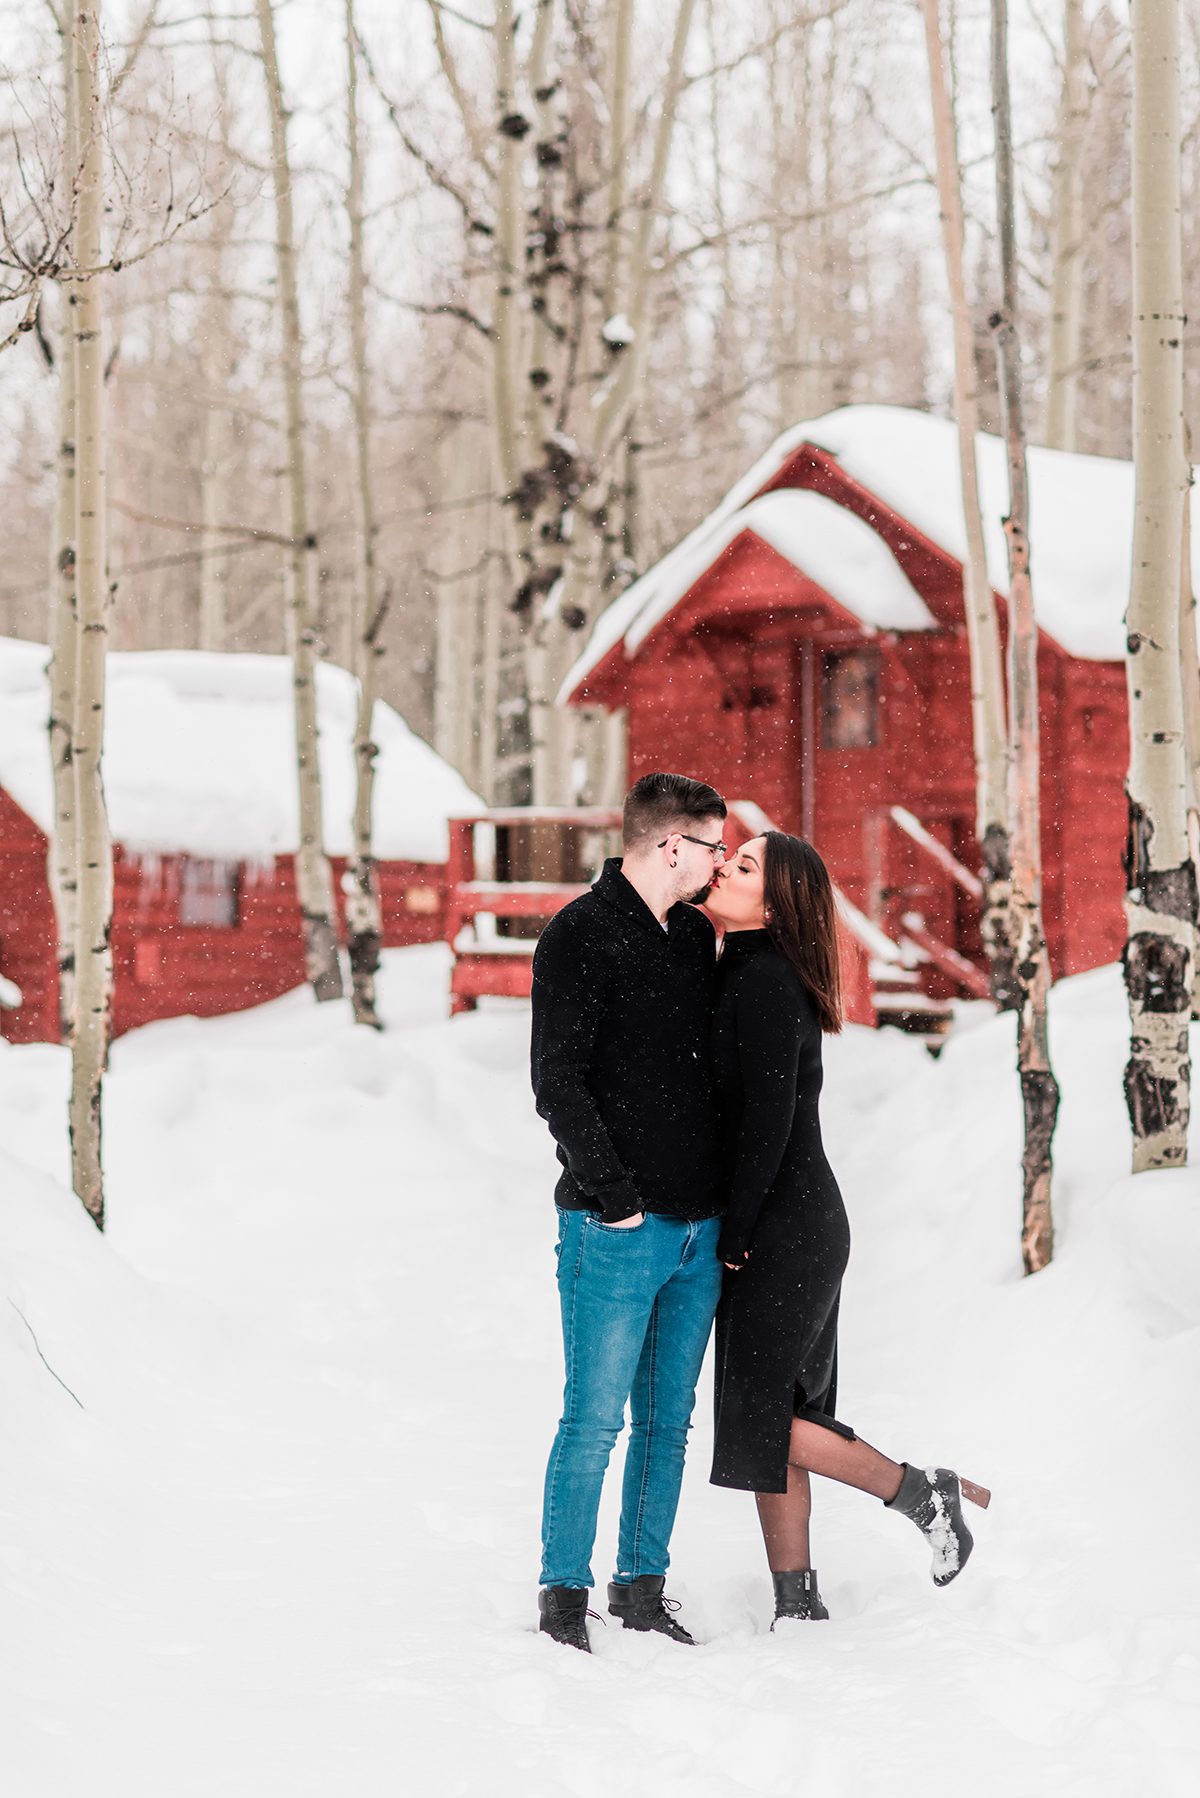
x,y
785,1239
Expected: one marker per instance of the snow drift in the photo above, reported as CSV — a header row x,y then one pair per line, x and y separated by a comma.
x,y
280,1535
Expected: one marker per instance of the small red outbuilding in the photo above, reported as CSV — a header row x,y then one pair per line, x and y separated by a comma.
x,y
201,789
804,648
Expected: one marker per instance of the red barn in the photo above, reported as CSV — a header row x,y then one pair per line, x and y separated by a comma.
x,y
805,648
200,781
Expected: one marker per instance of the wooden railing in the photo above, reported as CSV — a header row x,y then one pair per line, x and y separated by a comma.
x,y
883,974
488,963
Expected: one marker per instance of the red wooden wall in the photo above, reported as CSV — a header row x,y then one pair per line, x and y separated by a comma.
x,y
163,968
729,689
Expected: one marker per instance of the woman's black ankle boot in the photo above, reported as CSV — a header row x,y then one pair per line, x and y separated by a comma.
x,y
797,1599
932,1497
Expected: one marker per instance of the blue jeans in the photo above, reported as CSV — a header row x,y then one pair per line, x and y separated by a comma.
x,y
637,1308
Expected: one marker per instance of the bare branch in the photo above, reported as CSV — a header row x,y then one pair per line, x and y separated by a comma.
x,y
447,309
149,20
437,175
452,12
27,321
248,531
466,111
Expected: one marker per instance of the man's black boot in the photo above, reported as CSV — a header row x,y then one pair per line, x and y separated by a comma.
x,y
563,1615
640,1605
797,1599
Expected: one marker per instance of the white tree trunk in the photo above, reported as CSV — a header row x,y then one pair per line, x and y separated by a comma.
x,y
979,607
62,850
93,951
364,914
506,313
314,882
214,566
1066,218
63,857
509,353
1161,901
1189,668
1039,1088
545,338
623,389
620,48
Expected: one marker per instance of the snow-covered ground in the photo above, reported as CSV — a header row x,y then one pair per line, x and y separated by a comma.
x,y
280,1534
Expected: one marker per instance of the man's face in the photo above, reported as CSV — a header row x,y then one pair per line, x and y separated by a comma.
x,y
697,853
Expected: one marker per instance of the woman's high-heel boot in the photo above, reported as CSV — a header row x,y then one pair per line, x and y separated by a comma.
x,y
932,1497
797,1599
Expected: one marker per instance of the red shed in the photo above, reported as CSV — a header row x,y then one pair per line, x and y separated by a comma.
x,y
804,648
201,794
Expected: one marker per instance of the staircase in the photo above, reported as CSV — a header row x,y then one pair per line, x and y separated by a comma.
x,y
886,976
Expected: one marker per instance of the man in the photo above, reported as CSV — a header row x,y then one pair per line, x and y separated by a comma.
x,y
622,1004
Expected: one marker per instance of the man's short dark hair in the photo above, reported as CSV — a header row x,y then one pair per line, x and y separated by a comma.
x,y
658,804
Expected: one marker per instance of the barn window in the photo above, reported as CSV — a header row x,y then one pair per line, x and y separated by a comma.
x,y
850,699
208,893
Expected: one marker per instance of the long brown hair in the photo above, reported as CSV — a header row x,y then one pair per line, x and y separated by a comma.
x,y
802,919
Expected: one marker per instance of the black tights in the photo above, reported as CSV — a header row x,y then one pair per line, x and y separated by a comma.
x,y
784,1516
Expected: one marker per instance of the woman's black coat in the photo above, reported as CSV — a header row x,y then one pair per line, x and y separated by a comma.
x,y
776,1347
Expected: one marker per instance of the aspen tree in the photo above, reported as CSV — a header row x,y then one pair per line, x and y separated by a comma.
x,y
487,762
1189,667
364,915
218,364
460,598
979,606
1066,220
620,58
1161,897
1039,1088
314,881
93,950
217,367
62,852
557,489
615,402
511,127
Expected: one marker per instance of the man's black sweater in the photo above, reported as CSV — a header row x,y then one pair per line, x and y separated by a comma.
x,y
622,1013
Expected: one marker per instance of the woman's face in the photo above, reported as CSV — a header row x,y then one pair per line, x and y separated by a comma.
x,y
736,899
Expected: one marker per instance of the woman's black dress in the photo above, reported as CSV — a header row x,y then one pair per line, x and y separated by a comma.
x,y
776,1338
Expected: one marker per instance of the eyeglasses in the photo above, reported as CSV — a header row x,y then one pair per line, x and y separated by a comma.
x,y
715,849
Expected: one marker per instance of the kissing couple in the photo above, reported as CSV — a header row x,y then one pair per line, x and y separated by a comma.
x,y
681,1087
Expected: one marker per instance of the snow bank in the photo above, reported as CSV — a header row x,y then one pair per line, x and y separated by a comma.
x,y
289,1544
199,757
1081,527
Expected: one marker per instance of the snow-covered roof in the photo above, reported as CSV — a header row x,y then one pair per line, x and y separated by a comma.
x,y
199,757
823,540
1081,528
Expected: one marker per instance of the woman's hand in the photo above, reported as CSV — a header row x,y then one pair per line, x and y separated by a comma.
x,y
629,1223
